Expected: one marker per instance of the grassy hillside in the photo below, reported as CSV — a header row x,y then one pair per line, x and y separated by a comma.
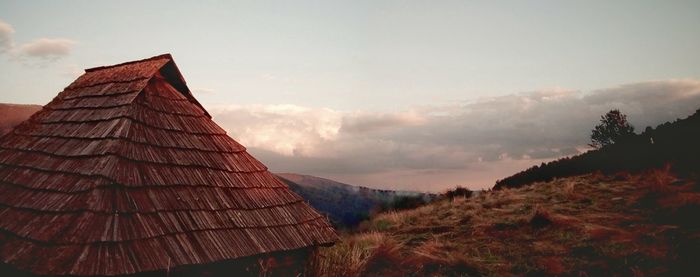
x,y
348,205
589,225
13,114
673,143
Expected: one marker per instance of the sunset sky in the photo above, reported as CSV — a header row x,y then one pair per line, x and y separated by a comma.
x,y
419,95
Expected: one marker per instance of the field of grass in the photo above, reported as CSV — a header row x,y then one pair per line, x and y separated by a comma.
x,y
589,225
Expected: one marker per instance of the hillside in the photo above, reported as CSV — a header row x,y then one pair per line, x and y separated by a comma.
x,y
674,143
13,114
313,181
348,205
588,225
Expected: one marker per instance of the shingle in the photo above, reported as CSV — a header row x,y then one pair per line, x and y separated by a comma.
x,y
123,173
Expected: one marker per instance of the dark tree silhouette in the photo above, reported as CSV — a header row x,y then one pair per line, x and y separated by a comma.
x,y
613,127
669,143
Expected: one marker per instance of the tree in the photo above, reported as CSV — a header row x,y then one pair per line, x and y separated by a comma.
x,y
612,128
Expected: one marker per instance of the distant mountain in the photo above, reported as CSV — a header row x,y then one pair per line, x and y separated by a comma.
x,y
13,114
676,144
348,205
315,182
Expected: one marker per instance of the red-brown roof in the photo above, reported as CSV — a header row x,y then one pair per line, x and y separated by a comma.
x,y
125,172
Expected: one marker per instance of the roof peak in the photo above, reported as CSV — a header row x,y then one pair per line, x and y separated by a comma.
x,y
159,57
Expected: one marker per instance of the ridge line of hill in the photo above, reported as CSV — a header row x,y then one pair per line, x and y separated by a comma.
x,y
669,143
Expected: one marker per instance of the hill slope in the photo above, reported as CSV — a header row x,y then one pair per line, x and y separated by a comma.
x,y
675,143
347,205
13,114
589,225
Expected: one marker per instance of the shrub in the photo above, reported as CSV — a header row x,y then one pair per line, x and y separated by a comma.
x,y
408,202
458,192
404,202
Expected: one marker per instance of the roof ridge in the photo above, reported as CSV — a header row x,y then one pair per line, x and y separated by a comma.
x,y
162,56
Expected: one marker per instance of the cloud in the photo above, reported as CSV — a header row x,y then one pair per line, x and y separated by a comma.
x,y
6,36
364,122
44,49
285,129
432,148
47,48
650,101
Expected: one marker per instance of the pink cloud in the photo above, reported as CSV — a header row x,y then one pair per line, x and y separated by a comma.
x,y
6,36
47,48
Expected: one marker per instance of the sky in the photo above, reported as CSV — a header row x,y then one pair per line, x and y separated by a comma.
x,y
417,95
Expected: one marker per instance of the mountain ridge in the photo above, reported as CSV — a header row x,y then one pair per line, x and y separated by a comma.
x,y
348,205
14,114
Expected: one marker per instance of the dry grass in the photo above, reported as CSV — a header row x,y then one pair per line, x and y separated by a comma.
x,y
591,225
349,257
659,180
437,258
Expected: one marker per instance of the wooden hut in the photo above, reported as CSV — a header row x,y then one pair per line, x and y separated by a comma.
x,y
124,172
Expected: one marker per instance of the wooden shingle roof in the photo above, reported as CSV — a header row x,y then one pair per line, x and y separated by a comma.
x,y
125,172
